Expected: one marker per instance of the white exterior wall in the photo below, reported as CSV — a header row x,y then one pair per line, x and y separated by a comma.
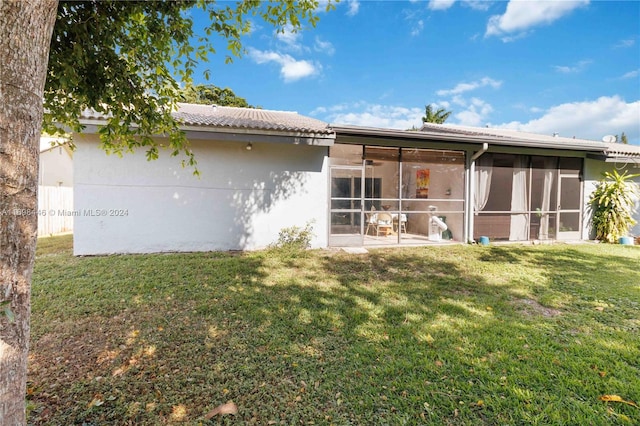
x,y
241,200
593,170
56,167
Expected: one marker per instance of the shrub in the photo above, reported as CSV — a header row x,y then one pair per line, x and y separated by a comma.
x,y
294,238
612,205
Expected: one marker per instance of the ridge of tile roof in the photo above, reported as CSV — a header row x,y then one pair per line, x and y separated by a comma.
x,y
503,133
249,118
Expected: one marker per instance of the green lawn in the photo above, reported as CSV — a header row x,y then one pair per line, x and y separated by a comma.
x,y
460,335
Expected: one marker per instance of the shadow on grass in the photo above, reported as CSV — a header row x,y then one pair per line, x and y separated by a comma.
x,y
568,269
420,336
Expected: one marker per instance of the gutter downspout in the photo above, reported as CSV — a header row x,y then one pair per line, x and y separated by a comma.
x,y
472,190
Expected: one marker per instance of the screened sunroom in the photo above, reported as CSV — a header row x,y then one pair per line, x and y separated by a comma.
x,y
446,184
392,195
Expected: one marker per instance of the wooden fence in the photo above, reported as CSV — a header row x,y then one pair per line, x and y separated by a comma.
x,y
55,210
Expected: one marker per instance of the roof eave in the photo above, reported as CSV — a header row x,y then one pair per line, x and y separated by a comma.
x,y
240,134
461,138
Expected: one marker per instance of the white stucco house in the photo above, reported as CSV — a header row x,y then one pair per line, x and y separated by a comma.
x,y
262,171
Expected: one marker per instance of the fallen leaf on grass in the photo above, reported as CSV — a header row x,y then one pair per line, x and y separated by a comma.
x,y
617,398
96,402
228,408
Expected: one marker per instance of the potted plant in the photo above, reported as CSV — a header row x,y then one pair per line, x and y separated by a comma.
x,y
612,204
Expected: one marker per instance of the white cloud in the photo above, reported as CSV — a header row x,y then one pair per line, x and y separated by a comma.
x,y
371,115
289,38
466,87
324,46
291,69
622,44
468,112
587,120
631,74
322,6
417,29
414,21
459,100
521,15
440,4
354,7
254,27
580,66
478,4
475,113
446,4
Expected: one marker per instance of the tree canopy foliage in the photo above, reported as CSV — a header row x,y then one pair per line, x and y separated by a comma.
x,y
437,116
622,139
211,95
125,60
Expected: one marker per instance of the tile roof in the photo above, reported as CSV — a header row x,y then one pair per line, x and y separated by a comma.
x,y
248,118
622,150
506,134
215,116
611,150
239,118
475,135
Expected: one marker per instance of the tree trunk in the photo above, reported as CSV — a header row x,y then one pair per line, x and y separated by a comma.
x,y
25,35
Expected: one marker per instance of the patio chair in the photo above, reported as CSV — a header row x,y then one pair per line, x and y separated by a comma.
x,y
384,222
400,223
371,222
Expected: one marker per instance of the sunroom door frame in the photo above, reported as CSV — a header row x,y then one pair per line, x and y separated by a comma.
x,y
568,207
355,208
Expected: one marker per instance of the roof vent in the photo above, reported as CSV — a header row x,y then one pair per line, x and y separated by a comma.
x,y
555,134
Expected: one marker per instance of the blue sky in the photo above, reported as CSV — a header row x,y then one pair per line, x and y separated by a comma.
x,y
571,67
